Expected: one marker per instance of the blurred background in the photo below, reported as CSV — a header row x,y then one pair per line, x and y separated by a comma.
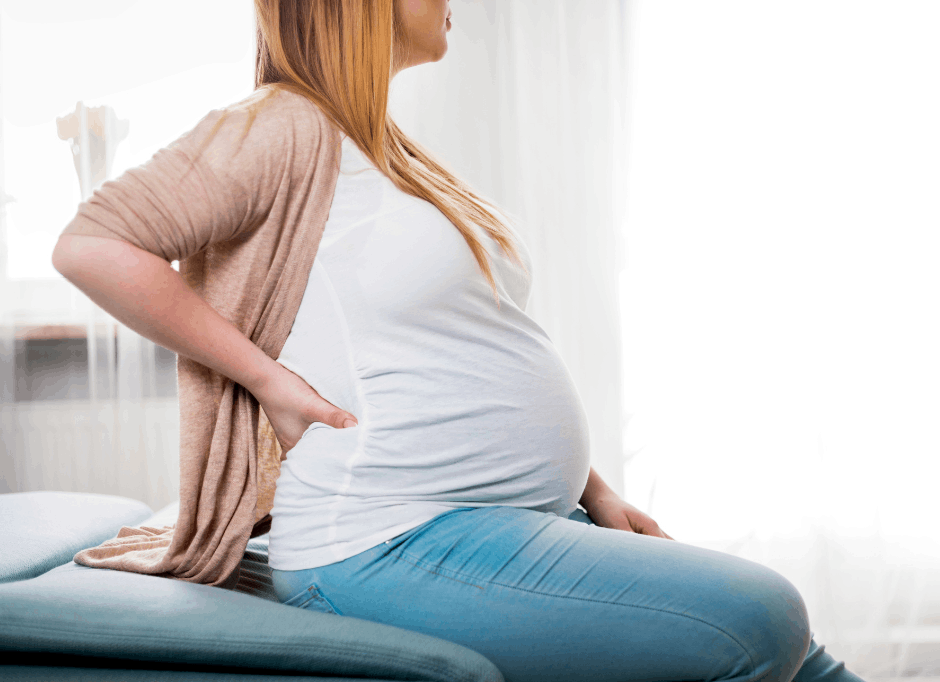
x,y
733,209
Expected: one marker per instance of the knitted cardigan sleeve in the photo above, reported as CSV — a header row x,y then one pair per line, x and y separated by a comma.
x,y
214,183
241,201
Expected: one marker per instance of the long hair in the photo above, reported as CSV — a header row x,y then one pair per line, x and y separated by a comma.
x,y
339,54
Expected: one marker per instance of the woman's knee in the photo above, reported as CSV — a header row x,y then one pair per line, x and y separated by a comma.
x,y
775,626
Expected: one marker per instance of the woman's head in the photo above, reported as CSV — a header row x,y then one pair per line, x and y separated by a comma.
x,y
342,55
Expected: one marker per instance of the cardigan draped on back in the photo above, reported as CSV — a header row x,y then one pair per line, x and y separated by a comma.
x,y
244,219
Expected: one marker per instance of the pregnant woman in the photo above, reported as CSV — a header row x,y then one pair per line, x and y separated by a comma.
x,y
371,308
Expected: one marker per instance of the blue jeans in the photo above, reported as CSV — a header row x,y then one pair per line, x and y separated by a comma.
x,y
548,598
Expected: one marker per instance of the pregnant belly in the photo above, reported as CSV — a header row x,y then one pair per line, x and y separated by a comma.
x,y
517,438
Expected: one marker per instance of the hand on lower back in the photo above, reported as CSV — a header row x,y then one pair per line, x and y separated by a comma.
x,y
292,405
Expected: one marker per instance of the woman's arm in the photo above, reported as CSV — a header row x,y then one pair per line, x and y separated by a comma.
x,y
595,488
143,291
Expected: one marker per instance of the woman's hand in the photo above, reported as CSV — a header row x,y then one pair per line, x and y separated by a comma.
x,y
609,511
292,405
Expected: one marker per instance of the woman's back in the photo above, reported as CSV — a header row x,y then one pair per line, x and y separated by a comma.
x,y
459,403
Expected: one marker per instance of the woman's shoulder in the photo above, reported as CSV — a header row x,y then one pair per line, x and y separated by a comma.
x,y
277,105
261,132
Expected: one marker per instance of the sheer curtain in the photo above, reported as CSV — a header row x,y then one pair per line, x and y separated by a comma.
x,y
780,303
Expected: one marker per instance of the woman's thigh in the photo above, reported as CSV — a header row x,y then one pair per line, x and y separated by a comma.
x,y
547,598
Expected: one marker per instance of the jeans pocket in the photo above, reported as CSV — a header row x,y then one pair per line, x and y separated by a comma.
x,y
312,599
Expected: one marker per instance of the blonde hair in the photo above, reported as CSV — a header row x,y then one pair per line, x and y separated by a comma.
x,y
339,55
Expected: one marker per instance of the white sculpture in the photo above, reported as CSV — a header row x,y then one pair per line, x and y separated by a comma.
x,y
94,134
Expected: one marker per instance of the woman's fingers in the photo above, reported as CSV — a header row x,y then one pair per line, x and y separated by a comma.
x,y
334,416
655,531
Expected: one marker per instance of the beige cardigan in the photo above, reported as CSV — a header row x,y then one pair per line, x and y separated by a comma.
x,y
245,224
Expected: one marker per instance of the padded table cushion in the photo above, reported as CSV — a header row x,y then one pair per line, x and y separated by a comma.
x,y
42,530
76,610
38,673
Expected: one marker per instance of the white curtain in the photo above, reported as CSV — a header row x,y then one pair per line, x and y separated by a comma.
x,y
781,303
528,105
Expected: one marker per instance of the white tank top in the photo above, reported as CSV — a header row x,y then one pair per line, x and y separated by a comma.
x,y
459,404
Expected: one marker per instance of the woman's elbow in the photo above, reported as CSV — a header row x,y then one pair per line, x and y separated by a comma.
x,y
63,255
73,252
89,260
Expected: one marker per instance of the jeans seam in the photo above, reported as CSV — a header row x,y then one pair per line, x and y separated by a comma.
x,y
305,591
312,593
435,570
439,571
326,602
